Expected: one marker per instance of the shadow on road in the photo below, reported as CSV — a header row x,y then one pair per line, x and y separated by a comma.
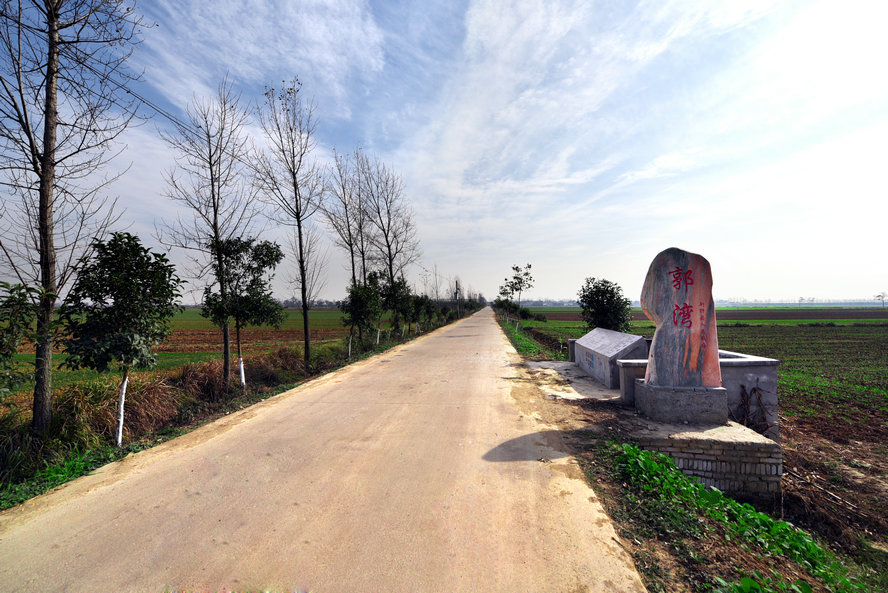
x,y
532,446
603,419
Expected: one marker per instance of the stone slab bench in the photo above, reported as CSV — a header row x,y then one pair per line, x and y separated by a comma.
x,y
598,351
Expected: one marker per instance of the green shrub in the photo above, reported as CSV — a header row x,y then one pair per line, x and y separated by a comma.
x,y
758,583
603,305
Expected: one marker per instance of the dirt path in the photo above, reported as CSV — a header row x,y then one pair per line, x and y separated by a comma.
x,y
405,472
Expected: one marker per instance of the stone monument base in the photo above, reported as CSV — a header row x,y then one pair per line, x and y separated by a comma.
x,y
694,405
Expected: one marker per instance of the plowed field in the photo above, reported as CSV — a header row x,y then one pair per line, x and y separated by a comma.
x,y
252,340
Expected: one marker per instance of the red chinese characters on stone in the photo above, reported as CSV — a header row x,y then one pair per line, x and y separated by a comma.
x,y
703,336
680,276
681,315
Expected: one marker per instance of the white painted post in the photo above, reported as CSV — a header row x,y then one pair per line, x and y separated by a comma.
x,y
243,378
377,336
349,347
120,410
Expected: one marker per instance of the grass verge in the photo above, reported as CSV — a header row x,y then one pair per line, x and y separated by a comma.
x,y
525,344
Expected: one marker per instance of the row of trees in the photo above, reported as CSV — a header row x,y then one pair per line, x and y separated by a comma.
x,y
64,100
229,187
601,301
367,302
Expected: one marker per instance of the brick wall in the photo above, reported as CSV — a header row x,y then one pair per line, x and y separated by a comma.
x,y
731,465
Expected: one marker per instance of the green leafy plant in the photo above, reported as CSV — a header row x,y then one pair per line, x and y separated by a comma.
x,y
362,307
396,297
16,317
655,479
520,281
757,583
244,268
119,309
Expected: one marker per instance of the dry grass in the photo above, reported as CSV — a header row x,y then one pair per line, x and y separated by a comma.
x,y
202,381
86,414
284,365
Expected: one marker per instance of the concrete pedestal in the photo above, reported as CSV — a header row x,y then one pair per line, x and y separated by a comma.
x,y
630,370
695,405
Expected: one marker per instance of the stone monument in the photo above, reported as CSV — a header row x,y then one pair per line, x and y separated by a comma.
x,y
683,378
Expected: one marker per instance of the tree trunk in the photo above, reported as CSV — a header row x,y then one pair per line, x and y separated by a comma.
x,y
307,335
351,252
304,293
121,404
223,294
226,355
42,416
363,251
240,358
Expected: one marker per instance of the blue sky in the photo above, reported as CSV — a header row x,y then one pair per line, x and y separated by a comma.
x,y
582,137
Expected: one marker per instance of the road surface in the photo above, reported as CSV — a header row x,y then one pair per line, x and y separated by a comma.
x,y
411,471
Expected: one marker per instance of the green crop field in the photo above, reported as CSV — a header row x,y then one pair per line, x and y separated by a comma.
x,y
183,348
63,376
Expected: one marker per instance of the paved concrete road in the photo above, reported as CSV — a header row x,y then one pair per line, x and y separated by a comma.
x,y
399,473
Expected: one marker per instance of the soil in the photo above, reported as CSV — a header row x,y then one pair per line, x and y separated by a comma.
x,y
208,340
836,485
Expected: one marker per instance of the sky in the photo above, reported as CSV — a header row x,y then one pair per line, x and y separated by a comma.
x,y
581,137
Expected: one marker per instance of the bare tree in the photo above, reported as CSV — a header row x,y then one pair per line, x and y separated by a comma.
x,y
62,105
211,178
316,263
347,215
290,180
436,284
340,210
395,239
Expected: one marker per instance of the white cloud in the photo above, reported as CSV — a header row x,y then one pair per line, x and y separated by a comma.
x,y
325,43
581,137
